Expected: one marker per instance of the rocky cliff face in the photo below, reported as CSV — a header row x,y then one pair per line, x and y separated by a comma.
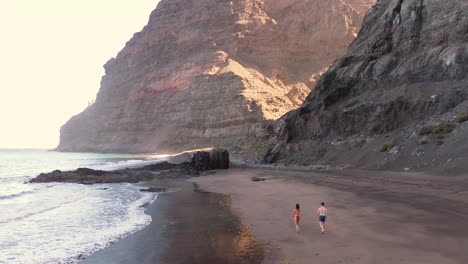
x,y
207,72
397,99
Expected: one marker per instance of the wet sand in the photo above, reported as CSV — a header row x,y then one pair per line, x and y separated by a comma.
x,y
374,217
188,226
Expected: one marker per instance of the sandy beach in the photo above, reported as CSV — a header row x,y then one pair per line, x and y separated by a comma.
x,y
374,217
188,226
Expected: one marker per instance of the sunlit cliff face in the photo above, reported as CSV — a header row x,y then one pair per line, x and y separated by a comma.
x,y
210,72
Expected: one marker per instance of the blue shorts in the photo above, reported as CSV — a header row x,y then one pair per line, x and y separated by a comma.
x,y
322,218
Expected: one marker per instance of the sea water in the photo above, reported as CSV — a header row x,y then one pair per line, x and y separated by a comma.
x,y
62,222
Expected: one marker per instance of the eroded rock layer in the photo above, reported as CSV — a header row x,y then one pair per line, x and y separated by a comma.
x,y
396,99
207,72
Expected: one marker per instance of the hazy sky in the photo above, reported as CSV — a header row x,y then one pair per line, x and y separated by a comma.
x,y
51,57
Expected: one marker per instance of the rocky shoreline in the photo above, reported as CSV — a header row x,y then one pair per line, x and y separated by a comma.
x,y
200,161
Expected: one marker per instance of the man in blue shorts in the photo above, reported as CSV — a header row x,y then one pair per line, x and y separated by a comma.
x,y
322,215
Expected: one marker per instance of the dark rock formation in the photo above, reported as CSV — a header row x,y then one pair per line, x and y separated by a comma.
x,y
154,189
257,179
408,67
216,159
90,176
208,72
202,161
159,166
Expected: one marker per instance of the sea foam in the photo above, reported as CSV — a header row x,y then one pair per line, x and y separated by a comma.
x,y
61,222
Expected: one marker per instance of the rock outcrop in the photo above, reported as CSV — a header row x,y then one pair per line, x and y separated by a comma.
x,y
207,72
213,160
201,161
159,171
392,100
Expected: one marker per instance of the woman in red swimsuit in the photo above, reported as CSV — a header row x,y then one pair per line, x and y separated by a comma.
x,y
297,217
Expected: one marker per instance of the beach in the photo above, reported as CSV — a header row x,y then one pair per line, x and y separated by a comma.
x,y
214,132
374,217
188,226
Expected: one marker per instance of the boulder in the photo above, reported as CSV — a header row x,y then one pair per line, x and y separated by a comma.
x,y
214,160
154,189
257,179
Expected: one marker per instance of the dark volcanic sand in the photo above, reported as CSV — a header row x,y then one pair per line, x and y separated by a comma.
x,y
373,217
189,226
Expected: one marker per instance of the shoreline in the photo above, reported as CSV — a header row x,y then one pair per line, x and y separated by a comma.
x,y
188,226
375,217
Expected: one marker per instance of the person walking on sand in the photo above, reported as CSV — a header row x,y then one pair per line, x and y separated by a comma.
x,y
297,217
322,215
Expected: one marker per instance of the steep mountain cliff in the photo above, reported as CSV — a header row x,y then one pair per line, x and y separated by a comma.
x,y
396,100
208,72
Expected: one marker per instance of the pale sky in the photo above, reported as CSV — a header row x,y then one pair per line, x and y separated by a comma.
x,y
51,58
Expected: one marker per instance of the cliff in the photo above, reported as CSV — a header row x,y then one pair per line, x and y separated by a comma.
x,y
208,73
396,100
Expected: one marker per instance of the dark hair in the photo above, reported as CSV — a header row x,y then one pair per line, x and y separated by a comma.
x,y
297,206
323,203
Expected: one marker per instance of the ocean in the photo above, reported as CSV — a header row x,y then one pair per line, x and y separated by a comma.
x,y
60,222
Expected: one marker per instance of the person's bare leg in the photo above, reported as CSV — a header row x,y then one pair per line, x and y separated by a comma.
x,y
322,228
297,225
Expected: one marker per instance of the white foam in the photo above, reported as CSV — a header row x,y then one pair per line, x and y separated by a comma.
x,y
62,223
77,222
127,164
